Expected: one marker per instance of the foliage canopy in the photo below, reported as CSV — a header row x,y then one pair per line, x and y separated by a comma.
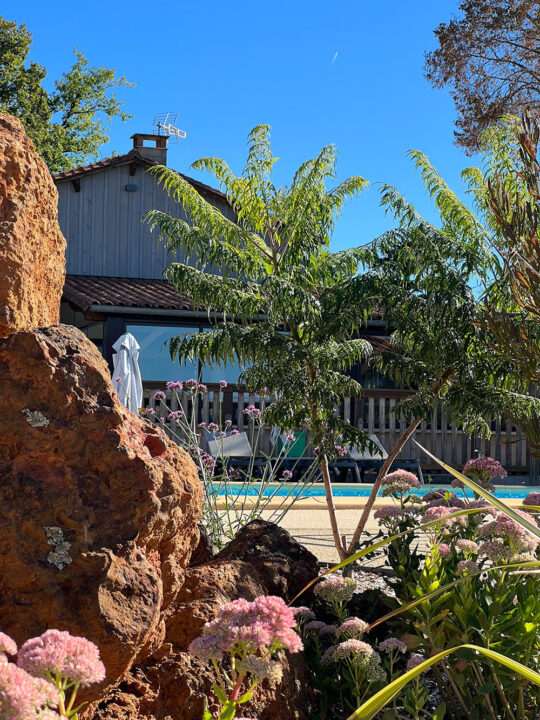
x,y
488,57
68,125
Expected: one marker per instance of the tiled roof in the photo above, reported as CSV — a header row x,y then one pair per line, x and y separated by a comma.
x,y
133,156
86,290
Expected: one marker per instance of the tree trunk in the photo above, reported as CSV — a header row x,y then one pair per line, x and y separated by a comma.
x,y
331,508
377,484
387,465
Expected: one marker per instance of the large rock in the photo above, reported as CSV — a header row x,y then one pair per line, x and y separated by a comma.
x,y
99,509
32,248
171,685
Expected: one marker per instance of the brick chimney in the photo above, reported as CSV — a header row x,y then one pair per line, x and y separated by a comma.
x,y
155,149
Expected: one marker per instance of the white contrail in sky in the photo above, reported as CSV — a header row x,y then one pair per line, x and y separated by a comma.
x,y
335,57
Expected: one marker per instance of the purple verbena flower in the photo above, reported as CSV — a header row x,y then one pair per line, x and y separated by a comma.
x,y
175,415
174,385
159,395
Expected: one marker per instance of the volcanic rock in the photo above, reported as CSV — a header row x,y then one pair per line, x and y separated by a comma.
x,y
171,685
99,509
32,248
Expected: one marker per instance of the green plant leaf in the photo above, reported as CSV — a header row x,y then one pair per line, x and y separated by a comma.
x,y
246,697
506,509
220,694
378,701
228,711
440,711
442,588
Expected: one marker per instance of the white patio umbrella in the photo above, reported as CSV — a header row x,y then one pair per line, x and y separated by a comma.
x,y
126,375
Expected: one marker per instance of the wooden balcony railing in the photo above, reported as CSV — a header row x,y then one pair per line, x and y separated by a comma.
x,y
373,412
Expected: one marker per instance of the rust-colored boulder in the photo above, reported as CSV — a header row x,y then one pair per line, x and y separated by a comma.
x,y
99,509
171,685
32,248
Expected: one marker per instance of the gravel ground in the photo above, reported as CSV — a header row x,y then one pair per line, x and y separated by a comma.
x,y
312,529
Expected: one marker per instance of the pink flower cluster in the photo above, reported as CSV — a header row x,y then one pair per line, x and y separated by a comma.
x,y
504,528
242,628
58,652
335,588
401,480
486,467
321,628
30,688
303,613
392,644
252,412
175,415
441,513
387,513
174,385
467,567
23,696
533,498
352,627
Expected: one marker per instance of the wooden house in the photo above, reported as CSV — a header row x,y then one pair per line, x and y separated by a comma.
x,y
115,284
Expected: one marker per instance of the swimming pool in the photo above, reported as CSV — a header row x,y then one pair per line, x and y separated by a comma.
x,y
351,491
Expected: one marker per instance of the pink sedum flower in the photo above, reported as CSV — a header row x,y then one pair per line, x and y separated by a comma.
x,y
414,661
7,644
487,467
335,588
467,567
303,612
392,644
402,480
22,696
56,651
352,627
533,498
264,625
444,550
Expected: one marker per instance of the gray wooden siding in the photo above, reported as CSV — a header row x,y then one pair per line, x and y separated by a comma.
x,y
103,224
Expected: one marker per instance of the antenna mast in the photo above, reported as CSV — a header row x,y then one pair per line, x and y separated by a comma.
x,y
164,124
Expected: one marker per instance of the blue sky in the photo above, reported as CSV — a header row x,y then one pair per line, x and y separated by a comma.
x,y
348,73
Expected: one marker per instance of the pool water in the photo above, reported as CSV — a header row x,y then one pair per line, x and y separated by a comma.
x,y
343,490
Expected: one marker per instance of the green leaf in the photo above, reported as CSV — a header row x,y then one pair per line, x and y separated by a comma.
x,y
440,711
246,697
506,509
486,689
529,564
378,701
220,694
228,711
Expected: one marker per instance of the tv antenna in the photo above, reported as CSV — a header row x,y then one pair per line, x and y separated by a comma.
x,y
164,122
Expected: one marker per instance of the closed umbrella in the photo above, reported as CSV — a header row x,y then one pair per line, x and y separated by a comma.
x,y
126,374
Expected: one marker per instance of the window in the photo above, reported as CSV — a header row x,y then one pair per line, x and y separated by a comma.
x,y
154,358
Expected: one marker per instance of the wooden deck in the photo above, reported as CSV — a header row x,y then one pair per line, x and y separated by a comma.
x,y
373,412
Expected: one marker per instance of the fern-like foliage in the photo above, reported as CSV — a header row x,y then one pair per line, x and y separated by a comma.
x,y
282,305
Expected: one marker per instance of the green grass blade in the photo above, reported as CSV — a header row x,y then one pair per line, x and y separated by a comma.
x,y
506,509
378,701
382,543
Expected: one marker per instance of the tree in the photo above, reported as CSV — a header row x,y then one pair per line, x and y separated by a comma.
x,y
489,57
290,308
68,125
507,193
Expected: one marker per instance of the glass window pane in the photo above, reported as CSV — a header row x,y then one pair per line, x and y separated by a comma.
x,y
229,372
154,359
